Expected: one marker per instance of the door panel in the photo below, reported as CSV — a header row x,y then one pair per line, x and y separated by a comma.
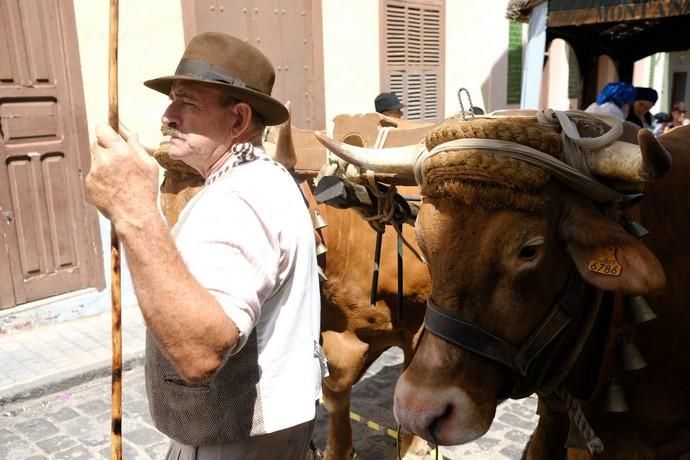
x,y
50,237
288,32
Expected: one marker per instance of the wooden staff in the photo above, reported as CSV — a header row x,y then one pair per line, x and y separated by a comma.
x,y
116,292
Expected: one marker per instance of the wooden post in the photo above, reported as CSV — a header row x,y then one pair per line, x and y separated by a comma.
x,y
116,293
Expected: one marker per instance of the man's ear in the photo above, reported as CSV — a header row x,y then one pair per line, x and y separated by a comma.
x,y
242,120
606,255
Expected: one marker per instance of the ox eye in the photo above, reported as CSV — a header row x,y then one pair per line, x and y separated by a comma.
x,y
531,250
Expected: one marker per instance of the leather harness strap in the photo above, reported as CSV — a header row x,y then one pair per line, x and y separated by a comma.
x,y
478,340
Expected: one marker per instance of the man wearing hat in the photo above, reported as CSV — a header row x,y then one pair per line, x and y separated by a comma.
x,y
645,99
231,297
388,104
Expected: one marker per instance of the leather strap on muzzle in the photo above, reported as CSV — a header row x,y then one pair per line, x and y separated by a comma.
x,y
478,340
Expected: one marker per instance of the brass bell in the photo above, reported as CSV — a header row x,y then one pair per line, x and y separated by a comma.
x,y
634,228
631,359
638,309
615,398
321,249
322,275
317,219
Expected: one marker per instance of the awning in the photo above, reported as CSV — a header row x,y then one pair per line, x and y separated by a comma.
x,y
580,12
622,29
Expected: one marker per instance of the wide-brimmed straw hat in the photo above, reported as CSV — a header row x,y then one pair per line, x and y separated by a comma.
x,y
242,70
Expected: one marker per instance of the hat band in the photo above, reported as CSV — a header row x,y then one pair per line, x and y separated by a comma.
x,y
207,72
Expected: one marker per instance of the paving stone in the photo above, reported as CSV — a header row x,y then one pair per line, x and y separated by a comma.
x,y
37,457
525,410
63,415
94,407
56,444
158,451
36,429
106,418
129,452
75,453
87,432
6,437
18,451
517,436
143,436
512,452
138,408
82,413
514,420
487,443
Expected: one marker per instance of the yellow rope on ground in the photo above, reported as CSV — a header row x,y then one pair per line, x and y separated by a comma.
x,y
379,427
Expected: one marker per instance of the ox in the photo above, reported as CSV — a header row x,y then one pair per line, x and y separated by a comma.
x,y
354,333
536,286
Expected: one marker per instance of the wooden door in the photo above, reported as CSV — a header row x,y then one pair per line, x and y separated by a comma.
x,y
49,237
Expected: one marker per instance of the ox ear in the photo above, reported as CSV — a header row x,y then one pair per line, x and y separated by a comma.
x,y
606,255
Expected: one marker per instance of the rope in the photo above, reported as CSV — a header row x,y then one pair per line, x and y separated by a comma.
x,y
574,145
573,170
385,200
384,203
385,212
398,435
577,417
566,173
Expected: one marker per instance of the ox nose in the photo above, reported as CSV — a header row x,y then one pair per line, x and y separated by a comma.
x,y
443,415
416,412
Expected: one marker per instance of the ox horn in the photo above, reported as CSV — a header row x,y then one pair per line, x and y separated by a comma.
x,y
624,161
392,164
283,151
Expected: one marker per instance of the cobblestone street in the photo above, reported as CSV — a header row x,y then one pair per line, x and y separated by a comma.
x,y
74,423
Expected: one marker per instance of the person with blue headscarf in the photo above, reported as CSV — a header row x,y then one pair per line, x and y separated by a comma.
x,y
614,100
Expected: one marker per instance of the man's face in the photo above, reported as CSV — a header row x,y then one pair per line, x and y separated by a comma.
x,y
642,107
199,123
395,113
678,115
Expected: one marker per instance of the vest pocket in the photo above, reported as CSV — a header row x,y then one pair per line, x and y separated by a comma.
x,y
177,381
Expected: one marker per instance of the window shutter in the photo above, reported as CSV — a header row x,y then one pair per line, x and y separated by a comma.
x,y
514,90
413,56
573,75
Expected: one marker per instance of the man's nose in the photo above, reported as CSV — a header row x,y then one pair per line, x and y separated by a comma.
x,y
170,117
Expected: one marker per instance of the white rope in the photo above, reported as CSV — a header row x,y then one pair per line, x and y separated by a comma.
x,y
381,137
573,171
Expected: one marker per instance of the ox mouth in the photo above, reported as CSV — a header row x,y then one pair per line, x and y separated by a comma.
x,y
447,425
444,429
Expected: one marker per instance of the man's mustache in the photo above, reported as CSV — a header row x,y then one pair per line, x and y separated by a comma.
x,y
168,131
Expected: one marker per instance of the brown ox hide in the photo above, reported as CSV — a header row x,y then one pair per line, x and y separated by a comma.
x,y
354,334
503,267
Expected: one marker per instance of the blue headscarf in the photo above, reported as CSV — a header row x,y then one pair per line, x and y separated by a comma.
x,y
619,93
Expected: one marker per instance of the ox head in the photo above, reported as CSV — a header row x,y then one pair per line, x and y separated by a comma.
x,y
502,237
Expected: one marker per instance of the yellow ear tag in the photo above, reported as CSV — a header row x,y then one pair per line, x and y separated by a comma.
x,y
605,263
